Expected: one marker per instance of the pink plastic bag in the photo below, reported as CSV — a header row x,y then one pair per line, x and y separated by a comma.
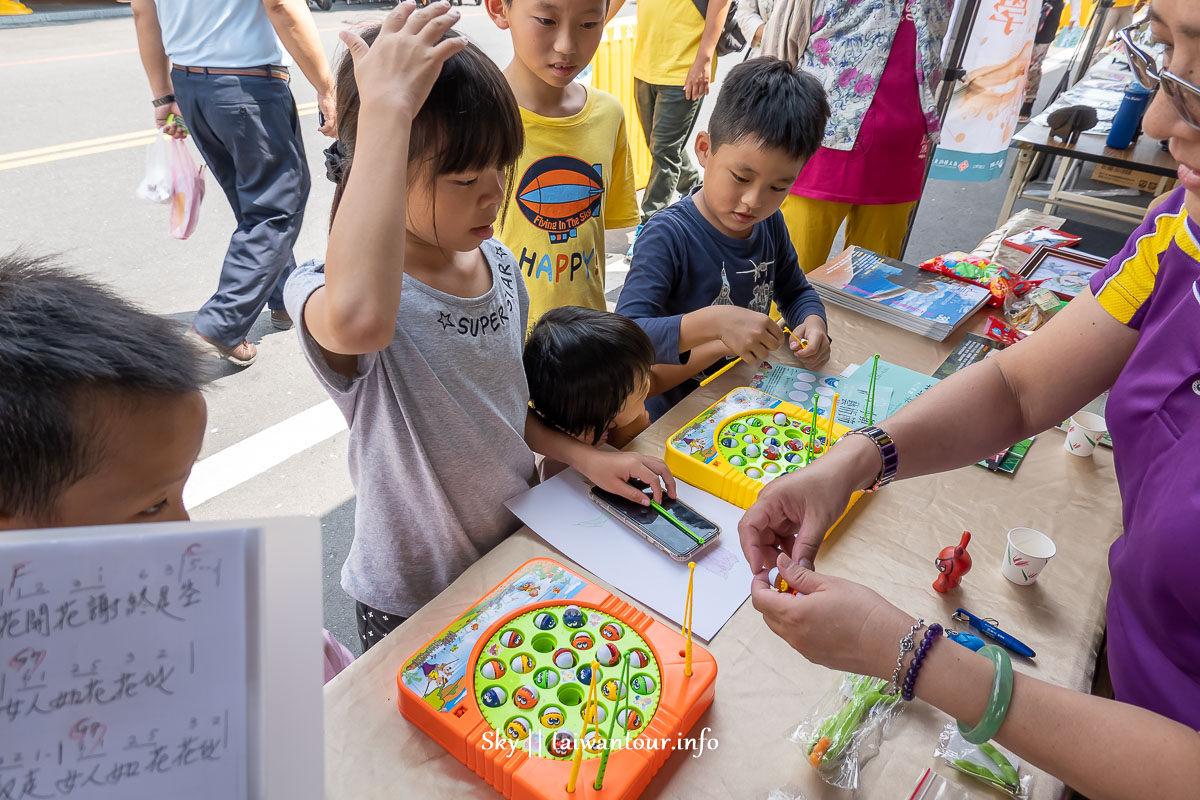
x,y
337,657
187,191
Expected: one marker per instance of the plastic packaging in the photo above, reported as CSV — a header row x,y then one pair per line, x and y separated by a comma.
x,y
932,786
986,762
156,183
187,191
844,731
977,271
1030,309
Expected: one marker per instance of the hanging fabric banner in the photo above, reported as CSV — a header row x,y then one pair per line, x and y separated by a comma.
x,y
983,112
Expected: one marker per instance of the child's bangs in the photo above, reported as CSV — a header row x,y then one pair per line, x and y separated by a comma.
x,y
475,119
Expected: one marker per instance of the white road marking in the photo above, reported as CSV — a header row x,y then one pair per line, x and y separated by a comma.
x,y
256,454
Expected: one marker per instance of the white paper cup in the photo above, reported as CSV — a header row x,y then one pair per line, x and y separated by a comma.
x,y
1026,555
1084,433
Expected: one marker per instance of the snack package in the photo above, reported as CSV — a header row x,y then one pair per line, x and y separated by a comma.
x,y
997,768
1029,310
846,727
977,271
1001,331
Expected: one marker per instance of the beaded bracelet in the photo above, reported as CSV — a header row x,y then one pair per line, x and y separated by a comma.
x,y
997,708
906,646
910,680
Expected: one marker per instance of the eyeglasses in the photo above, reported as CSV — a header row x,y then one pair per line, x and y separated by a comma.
x,y
1184,95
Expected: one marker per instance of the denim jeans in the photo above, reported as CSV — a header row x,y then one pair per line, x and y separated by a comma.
x,y
667,118
248,132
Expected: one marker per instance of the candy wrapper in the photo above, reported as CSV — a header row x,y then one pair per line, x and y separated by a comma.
x,y
1029,310
977,271
992,765
846,728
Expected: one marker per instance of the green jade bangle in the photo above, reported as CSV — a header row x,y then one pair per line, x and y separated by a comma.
x,y
997,708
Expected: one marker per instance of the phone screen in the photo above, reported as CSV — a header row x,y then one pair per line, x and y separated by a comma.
x,y
659,527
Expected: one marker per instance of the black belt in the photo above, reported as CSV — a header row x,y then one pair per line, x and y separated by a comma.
x,y
250,72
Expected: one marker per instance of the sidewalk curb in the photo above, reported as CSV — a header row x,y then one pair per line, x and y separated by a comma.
x,y
40,18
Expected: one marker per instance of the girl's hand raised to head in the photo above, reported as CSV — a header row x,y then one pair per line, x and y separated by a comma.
x,y
397,72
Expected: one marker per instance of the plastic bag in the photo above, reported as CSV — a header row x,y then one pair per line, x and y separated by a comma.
x,y
977,271
931,786
187,191
156,184
1030,309
844,731
985,762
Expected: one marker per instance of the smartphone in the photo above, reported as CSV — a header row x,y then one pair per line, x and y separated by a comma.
x,y
657,529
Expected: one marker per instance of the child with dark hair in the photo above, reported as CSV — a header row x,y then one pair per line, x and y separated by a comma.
x,y
97,428
589,374
415,324
574,179
705,270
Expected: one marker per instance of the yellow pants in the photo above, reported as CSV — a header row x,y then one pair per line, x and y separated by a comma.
x,y
813,225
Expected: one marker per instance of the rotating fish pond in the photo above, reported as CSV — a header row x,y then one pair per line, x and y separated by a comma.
x,y
504,688
744,441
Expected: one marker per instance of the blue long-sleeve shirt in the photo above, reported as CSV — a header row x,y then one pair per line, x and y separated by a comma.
x,y
681,263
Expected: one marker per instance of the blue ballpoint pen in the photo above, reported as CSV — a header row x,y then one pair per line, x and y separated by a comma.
x,y
991,631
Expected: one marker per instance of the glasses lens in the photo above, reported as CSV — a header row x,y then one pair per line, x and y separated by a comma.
x,y
1144,65
1186,99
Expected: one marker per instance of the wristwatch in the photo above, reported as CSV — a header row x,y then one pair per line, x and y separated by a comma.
x,y
887,452
166,99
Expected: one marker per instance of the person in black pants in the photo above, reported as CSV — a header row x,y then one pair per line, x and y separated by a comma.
x,y
218,65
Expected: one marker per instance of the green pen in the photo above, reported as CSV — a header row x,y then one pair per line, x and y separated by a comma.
x,y
671,518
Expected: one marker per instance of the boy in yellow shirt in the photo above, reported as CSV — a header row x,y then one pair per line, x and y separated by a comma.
x,y
674,60
575,177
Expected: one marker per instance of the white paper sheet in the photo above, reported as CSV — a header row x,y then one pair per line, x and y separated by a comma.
x,y
561,512
123,667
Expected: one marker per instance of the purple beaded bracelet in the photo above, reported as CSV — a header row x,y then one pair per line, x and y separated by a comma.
x,y
910,680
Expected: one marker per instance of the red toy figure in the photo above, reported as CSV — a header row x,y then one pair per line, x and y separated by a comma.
x,y
952,563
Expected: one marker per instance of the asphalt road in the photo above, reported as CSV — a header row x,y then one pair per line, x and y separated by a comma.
x,y
80,88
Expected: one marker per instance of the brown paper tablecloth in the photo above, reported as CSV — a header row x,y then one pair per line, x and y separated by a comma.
x,y
764,688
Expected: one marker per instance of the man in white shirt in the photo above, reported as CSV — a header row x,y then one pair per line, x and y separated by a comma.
x,y
220,66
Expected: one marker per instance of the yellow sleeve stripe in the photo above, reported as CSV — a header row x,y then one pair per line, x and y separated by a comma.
x,y
1130,286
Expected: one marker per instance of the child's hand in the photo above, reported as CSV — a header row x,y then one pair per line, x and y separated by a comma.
x,y
612,471
399,69
749,334
816,352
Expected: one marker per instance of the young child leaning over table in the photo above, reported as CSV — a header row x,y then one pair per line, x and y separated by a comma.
x,y
415,323
97,429
705,270
574,178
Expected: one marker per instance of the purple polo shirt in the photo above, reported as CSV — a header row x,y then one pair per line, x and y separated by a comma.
x,y
1153,415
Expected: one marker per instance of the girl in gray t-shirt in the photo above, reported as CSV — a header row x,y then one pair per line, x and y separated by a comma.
x,y
416,329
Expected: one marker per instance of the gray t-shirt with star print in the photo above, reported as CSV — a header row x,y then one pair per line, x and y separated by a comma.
x,y
437,424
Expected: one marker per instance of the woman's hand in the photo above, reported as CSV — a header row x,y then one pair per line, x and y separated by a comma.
x,y
399,69
833,622
792,514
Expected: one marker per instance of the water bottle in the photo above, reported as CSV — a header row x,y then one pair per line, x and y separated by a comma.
x,y
1129,116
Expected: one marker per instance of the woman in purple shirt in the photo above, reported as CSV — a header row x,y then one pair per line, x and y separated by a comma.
x,y
1137,330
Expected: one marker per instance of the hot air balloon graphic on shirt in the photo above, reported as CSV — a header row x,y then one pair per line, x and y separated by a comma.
x,y
559,193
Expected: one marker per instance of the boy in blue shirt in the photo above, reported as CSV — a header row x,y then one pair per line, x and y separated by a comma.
x,y
705,270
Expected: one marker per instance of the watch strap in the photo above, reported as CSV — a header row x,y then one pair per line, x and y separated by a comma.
x,y
887,453
166,99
